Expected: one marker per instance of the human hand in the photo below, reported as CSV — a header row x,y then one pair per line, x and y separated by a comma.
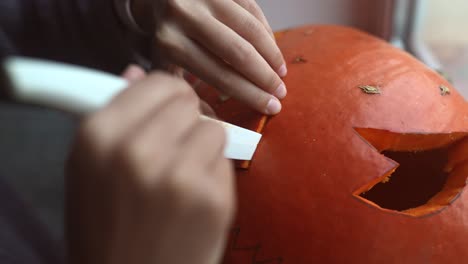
x,y
227,43
135,73
147,181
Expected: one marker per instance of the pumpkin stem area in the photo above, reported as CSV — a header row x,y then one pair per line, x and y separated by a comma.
x,y
431,173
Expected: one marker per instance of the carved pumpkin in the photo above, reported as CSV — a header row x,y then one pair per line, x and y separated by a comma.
x,y
366,163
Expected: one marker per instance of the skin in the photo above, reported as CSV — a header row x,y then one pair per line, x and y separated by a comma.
x,y
227,43
135,73
147,181
134,198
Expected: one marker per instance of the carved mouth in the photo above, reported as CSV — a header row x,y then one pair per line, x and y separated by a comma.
x,y
431,173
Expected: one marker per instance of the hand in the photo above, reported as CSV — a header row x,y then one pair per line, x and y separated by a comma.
x,y
147,181
227,43
135,73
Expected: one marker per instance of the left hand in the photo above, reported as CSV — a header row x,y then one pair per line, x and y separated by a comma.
x,y
227,43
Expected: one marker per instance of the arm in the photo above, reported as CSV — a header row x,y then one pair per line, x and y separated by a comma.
x,y
85,32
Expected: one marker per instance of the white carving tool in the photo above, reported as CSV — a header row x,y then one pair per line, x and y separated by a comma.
x,y
80,90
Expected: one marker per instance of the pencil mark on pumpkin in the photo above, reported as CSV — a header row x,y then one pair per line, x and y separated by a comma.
x,y
254,249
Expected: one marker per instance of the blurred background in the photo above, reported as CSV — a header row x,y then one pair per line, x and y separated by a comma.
x,y
34,144
445,30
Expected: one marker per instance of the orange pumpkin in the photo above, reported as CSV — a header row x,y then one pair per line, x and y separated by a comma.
x,y
367,162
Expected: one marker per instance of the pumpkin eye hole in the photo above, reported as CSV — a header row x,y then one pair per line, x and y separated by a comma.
x,y
432,171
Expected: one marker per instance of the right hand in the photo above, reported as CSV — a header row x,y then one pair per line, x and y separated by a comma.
x,y
147,180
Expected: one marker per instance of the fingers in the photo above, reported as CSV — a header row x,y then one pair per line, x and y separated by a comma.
x,y
176,71
226,185
204,149
132,108
256,11
252,30
242,56
206,109
205,144
228,44
153,148
133,73
213,70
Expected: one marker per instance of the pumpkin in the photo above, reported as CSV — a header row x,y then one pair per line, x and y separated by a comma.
x,y
366,163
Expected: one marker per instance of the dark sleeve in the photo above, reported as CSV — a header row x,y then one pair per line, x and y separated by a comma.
x,y
84,32
23,238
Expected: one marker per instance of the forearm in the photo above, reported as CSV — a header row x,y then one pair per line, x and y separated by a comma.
x,y
85,32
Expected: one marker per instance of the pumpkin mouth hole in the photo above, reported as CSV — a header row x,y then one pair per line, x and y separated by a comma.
x,y
431,171
419,177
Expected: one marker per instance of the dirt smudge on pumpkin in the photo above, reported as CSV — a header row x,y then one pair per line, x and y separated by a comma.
x,y
299,60
370,89
444,90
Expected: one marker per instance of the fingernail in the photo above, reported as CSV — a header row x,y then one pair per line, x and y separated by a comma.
x,y
283,71
281,91
273,107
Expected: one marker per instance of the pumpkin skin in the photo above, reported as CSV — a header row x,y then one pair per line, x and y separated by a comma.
x,y
298,202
